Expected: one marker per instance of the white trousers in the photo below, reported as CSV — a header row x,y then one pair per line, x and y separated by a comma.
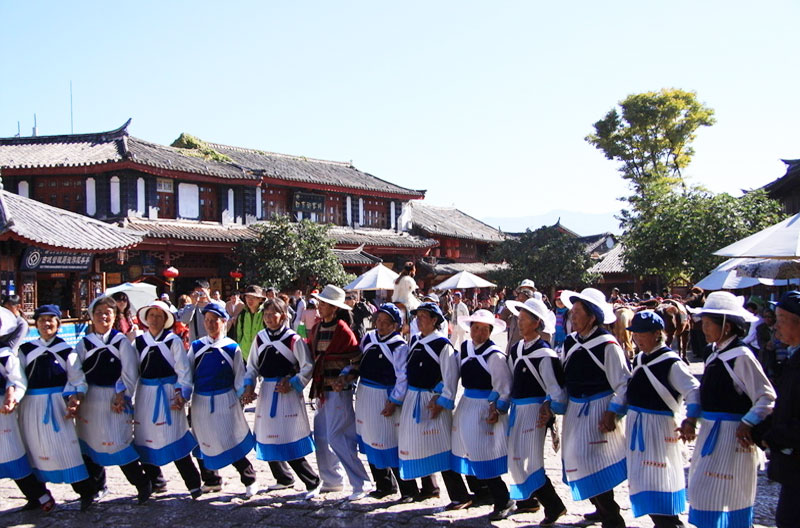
x,y
335,438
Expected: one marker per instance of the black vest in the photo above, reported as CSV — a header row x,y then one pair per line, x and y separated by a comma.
x,y
717,392
641,392
375,366
473,375
525,384
44,372
103,368
422,370
271,363
155,365
582,376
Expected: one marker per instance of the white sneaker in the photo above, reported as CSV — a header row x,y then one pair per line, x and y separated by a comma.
x,y
358,494
251,490
313,493
331,488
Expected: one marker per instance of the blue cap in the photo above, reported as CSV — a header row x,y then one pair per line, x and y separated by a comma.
x,y
217,308
47,309
392,311
646,321
790,302
432,308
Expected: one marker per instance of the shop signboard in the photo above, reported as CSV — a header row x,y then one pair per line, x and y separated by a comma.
x,y
39,259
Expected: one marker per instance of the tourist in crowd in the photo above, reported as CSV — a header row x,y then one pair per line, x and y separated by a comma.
x,y
310,318
14,462
125,321
336,358
161,429
15,335
562,319
524,292
458,313
783,436
281,359
479,423
166,300
249,319
191,314
105,422
218,421
735,396
299,301
538,387
660,380
596,376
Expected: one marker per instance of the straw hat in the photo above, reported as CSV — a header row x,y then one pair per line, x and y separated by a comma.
x,y
538,308
141,313
332,295
594,297
725,303
255,291
485,317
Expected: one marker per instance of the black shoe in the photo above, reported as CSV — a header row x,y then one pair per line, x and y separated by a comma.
x,y
87,501
31,505
503,512
594,516
530,505
425,495
145,490
458,505
159,488
196,493
380,494
101,493
550,520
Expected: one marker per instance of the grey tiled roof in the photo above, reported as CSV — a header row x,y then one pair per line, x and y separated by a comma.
x,y
171,158
40,224
378,237
611,262
76,150
477,268
356,256
596,243
189,230
449,221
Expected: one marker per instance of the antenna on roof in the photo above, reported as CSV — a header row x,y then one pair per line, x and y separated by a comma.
x,y
35,128
71,124
19,131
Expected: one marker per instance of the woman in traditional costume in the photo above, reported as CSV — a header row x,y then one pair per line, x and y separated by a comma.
x,y
735,395
218,421
596,376
659,381
281,359
538,388
161,430
479,425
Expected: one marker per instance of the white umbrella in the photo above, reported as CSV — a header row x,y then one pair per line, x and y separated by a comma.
x,y
780,241
769,269
139,294
727,277
378,278
463,280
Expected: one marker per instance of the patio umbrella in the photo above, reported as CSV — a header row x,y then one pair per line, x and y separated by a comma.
x,y
727,276
780,241
378,278
463,280
769,269
139,294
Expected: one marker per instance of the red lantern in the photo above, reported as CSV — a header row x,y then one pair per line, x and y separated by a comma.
x,y
236,275
170,274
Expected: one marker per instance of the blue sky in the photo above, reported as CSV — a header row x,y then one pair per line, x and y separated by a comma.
x,y
484,104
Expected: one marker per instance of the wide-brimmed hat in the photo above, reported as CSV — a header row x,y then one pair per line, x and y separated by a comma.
x,y
538,308
141,313
485,317
594,297
725,303
255,291
646,321
8,321
332,295
433,309
527,283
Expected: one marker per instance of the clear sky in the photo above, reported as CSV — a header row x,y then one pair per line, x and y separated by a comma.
x,y
484,104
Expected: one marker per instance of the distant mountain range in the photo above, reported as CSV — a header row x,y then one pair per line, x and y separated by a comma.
x,y
584,224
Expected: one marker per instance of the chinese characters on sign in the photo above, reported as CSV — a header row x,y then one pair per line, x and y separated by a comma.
x,y
36,259
309,203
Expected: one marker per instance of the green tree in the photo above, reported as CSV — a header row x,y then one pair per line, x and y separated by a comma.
x,y
651,135
549,257
291,255
676,238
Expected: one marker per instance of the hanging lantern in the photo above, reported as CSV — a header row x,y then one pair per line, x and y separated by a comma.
x,y
236,275
170,274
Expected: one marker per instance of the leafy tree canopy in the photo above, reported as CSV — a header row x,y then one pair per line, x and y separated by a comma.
x,y
651,135
548,256
676,238
291,255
